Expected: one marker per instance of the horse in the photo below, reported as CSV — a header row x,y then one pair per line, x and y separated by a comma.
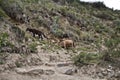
x,y
66,43
37,32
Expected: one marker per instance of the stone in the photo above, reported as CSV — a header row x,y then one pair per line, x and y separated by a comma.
x,y
66,70
117,74
104,73
49,72
100,75
36,72
69,72
109,70
102,69
32,71
62,64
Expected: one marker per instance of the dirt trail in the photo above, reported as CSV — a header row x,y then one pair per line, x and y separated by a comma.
x,y
55,66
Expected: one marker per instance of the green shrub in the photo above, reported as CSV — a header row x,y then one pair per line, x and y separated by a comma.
x,y
58,33
32,47
2,13
101,29
104,15
113,48
4,40
115,53
56,28
20,35
98,5
116,24
86,58
112,43
30,1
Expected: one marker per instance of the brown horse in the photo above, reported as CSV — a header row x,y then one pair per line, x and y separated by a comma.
x,y
66,43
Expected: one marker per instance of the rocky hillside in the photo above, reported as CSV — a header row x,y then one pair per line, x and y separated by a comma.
x,y
93,27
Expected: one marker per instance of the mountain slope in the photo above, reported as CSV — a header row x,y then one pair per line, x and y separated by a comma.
x,y
93,27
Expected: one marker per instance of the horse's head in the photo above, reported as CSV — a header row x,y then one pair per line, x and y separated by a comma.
x,y
27,29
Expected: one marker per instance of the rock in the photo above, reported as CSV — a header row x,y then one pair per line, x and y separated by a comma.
x,y
104,73
69,72
111,74
6,49
1,68
30,72
49,64
36,72
110,67
117,74
52,58
109,70
62,64
102,69
19,70
49,72
100,75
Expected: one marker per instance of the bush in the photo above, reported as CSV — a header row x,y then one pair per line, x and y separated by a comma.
x,y
98,5
4,40
104,15
56,29
113,49
115,53
2,13
32,47
30,1
116,24
112,43
100,28
18,32
86,58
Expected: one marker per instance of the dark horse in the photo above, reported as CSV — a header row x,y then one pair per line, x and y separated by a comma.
x,y
36,32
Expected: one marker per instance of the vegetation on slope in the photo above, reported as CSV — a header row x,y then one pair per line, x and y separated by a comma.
x,y
94,27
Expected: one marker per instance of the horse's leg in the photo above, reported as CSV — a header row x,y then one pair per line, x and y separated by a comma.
x,y
65,46
33,34
41,37
73,44
44,36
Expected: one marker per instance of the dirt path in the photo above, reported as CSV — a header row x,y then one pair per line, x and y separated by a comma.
x,y
56,66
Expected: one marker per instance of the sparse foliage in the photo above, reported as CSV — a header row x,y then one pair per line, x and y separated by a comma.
x,y
4,40
33,47
86,58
